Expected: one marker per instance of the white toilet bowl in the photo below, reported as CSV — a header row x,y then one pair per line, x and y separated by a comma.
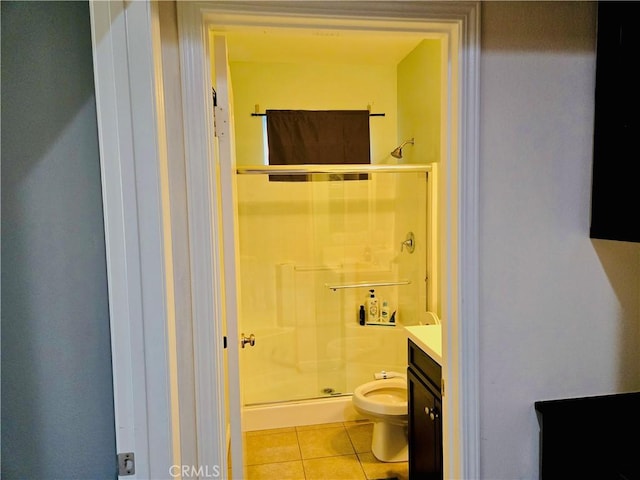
x,y
385,402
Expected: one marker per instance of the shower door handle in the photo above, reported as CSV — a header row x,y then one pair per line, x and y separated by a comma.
x,y
251,340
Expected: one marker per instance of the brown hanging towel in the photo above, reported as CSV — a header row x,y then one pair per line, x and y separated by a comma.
x,y
299,137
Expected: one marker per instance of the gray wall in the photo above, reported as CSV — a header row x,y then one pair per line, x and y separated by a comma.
x,y
559,313
57,397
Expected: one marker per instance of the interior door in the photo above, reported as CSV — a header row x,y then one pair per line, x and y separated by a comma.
x,y
226,166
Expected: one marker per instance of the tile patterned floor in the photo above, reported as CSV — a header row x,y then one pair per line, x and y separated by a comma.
x,y
332,451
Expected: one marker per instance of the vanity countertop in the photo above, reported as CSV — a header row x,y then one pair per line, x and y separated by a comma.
x,y
428,338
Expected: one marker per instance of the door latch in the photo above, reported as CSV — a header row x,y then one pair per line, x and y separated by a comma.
x,y
126,464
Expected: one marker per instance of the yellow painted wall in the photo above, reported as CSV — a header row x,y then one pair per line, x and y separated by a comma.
x,y
419,117
312,86
419,102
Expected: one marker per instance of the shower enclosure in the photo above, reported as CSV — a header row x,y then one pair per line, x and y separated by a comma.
x,y
309,253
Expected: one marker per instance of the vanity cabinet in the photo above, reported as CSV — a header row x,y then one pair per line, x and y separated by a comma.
x,y
424,382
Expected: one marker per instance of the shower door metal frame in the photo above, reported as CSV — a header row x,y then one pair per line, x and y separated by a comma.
x,y
458,22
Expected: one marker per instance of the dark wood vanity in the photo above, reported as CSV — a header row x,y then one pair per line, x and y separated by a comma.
x,y
424,384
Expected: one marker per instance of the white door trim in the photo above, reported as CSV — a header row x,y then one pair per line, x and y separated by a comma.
x,y
206,255
459,173
124,42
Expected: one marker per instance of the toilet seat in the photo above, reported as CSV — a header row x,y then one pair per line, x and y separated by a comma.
x,y
382,397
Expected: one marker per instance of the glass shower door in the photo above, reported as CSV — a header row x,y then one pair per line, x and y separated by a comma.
x,y
310,251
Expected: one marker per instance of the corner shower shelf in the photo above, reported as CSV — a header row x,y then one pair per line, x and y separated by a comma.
x,y
335,287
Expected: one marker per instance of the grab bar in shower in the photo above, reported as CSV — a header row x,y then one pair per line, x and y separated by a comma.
x,y
315,268
335,287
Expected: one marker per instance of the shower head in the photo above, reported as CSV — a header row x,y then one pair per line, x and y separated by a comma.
x,y
397,153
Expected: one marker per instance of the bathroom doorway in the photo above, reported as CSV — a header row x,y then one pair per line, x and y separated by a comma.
x,y
305,254
459,115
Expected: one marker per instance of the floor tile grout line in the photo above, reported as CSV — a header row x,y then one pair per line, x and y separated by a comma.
x,y
304,470
355,451
353,445
272,463
333,456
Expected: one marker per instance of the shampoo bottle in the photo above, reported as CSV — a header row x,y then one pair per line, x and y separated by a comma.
x,y
384,312
372,307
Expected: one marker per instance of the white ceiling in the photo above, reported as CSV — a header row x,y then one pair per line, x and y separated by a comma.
x,y
319,46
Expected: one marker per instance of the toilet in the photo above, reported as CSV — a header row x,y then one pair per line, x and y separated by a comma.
x,y
385,402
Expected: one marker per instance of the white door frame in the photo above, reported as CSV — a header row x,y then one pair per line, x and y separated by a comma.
x,y
459,21
132,139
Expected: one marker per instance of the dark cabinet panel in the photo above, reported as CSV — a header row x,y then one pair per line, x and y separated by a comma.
x,y
425,416
590,437
615,198
425,425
